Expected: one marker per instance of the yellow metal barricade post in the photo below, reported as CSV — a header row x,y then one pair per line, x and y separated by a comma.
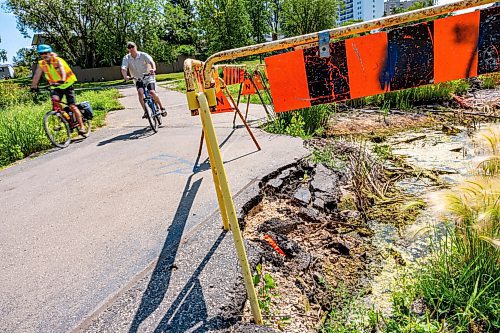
x,y
215,175
216,159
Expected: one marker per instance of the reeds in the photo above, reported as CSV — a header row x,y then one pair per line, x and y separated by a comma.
x,y
303,123
461,281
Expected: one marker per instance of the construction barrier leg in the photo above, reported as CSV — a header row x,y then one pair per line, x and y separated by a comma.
x,y
237,104
216,178
200,148
216,158
237,111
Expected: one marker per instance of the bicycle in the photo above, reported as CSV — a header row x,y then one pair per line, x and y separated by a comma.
x,y
60,122
151,108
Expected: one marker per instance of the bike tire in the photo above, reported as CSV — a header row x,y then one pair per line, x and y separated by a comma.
x,y
158,115
152,121
57,129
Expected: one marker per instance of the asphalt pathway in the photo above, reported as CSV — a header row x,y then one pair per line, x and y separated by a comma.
x,y
82,225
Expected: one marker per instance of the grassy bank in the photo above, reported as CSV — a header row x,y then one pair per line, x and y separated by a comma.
x,y
457,287
21,120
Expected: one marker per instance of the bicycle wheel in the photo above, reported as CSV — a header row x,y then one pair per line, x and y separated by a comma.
x,y
152,121
158,114
57,129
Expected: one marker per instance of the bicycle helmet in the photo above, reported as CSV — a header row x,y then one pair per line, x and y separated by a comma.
x,y
42,48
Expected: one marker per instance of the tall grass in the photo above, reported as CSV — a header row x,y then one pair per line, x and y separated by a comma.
x,y
490,81
12,94
21,126
409,98
303,123
461,281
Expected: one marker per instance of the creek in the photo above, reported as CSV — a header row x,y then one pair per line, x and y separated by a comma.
x,y
448,152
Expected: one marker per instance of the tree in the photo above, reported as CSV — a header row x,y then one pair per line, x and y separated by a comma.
x,y
259,16
414,6
25,57
3,53
307,16
93,33
274,7
224,24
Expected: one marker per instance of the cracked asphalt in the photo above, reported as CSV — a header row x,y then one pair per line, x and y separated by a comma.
x,y
120,232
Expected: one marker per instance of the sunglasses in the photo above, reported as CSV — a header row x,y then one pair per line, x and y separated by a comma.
x,y
130,47
43,53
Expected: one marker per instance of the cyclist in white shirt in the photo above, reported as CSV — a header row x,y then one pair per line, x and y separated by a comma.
x,y
138,63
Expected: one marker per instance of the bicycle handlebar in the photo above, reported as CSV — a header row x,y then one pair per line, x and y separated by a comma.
x,y
144,75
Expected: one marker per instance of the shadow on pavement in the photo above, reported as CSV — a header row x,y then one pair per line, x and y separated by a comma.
x,y
206,162
195,167
135,135
160,277
188,311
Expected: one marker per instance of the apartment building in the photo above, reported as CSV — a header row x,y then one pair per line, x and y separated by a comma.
x,y
361,10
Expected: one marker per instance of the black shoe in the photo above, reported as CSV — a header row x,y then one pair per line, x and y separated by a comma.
x,y
145,115
163,112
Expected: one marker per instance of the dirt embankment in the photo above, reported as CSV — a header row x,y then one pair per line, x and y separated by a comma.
x,y
315,245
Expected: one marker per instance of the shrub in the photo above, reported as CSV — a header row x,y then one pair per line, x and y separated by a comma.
x,y
12,94
303,123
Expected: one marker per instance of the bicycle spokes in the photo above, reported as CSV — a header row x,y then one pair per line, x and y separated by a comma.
x,y
57,129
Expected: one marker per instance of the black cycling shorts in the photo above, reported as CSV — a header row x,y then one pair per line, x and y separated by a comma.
x,y
68,92
140,84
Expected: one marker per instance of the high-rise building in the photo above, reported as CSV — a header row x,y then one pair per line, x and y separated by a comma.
x,y
361,10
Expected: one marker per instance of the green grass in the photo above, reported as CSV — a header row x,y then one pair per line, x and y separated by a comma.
x,y
303,123
21,125
407,99
490,81
12,94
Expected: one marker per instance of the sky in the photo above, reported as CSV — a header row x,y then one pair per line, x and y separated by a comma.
x,y
12,40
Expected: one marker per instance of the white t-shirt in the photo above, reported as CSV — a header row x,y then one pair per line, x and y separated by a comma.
x,y
139,65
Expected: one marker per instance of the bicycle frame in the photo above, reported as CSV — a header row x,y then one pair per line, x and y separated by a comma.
x,y
57,106
147,96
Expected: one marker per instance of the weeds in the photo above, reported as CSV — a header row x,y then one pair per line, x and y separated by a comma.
x,y
265,284
383,151
490,81
407,99
327,157
21,126
460,282
12,94
303,123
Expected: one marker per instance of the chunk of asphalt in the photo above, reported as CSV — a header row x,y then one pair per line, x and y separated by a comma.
x,y
303,196
324,180
276,183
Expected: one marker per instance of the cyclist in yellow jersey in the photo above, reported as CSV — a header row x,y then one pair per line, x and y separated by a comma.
x,y
60,76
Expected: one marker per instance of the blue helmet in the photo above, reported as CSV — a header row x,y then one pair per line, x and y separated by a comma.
x,y
42,48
